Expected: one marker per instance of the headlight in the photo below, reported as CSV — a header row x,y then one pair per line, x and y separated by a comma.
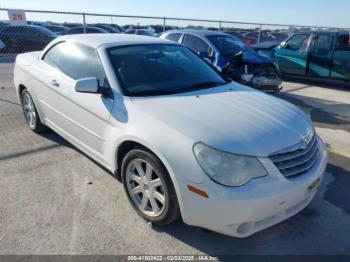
x,y
226,168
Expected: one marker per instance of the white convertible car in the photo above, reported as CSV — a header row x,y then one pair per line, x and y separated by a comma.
x,y
186,141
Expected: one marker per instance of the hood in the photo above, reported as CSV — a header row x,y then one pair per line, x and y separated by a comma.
x,y
232,118
250,56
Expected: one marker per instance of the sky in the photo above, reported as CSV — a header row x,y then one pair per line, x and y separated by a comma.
x,y
333,13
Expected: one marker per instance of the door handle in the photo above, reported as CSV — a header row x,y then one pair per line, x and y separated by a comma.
x,y
54,82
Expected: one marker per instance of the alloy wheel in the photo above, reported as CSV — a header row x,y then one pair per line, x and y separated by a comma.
x,y
145,187
29,111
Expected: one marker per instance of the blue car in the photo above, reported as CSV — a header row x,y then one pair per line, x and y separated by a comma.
x,y
230,55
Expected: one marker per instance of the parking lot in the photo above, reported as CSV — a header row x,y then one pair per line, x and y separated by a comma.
x,y
55,200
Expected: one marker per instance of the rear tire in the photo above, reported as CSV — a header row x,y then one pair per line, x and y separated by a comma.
x,y
149,188
30,113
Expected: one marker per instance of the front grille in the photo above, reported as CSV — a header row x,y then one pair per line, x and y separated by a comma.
x,y
297,162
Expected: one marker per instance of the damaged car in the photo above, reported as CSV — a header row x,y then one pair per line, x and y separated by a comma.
x,y
231,56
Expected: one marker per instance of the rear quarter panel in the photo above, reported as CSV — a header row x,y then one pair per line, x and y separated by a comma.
x,y
26,74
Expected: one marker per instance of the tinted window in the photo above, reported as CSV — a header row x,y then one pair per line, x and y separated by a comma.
x,y
76,61
236,35
173,37
76,30
79,61
14,30
155,69
144,32
299,42
94,30
323,43
227,45
52,56
343,42
195,43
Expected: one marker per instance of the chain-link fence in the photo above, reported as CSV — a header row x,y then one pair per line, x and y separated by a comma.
x,y
43,26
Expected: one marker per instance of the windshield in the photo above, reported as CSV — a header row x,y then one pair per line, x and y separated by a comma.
x,y
156,69
228,45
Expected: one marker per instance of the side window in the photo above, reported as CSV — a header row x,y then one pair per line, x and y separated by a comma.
x,y
343,42
52,55
173,37
14,30
195,43
323,43
93,67
78,61
299,42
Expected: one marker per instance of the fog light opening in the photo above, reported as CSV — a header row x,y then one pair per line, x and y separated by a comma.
x,y
243,228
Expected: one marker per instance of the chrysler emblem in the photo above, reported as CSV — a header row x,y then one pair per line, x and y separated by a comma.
x,y
307,141
304,145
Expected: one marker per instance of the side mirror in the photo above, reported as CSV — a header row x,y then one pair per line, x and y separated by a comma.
x,y
87,85
285,45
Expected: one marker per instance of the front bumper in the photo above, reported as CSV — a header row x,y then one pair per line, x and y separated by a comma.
x,y
261,82
263,202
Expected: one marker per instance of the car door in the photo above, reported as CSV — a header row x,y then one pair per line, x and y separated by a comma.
x,y
320,60
292,55
82,118
341,57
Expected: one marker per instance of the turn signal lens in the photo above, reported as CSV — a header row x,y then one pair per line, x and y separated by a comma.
x,y
197,191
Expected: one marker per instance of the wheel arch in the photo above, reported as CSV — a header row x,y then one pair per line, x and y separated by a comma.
x,y
20,89
128,144
122,149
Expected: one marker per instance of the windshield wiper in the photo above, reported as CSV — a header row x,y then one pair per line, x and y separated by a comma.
x,y
152,92
208,84
155,92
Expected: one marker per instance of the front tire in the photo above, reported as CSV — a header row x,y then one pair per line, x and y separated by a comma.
x,y
30,113
149,188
